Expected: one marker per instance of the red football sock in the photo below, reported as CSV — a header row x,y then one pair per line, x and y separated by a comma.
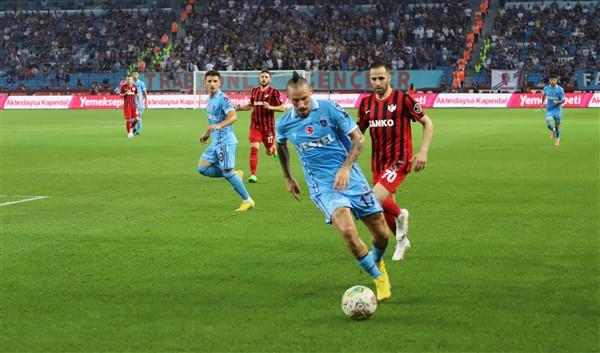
x,y
390,220
253,160
134,123
390,206
128,125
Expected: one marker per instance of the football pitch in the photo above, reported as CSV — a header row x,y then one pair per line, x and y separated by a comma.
x,y
124,247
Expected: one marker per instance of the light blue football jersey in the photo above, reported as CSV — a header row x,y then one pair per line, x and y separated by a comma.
x,y
322,142
217,108
552,94
139,99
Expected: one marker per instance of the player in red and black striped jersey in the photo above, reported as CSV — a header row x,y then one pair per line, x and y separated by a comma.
x,y
129,92
388,113
264,102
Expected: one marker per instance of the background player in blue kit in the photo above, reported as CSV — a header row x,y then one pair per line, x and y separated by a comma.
x,y
140,101
328,143
218,160
556,98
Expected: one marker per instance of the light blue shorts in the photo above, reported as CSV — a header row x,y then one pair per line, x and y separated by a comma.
x,y
222,156
361,205
554,115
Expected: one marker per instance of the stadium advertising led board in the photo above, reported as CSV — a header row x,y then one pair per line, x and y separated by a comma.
x,y
320,80
346,100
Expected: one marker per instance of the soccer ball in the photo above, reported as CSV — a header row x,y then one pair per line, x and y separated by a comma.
x,y
359,303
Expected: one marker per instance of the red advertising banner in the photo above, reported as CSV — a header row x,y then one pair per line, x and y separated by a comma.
x,y
177,101
37,102
595,101
96,102
534,100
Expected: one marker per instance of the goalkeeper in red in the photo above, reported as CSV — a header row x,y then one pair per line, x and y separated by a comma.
x,y
388,114
264,102
129,92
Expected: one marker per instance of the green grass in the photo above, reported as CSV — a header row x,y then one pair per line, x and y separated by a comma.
x,y
134,251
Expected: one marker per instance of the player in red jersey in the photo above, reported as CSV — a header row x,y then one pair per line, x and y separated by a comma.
x,y
387,113
129,92
264,102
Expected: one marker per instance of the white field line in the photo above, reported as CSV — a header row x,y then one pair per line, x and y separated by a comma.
x,y
29,198
93,127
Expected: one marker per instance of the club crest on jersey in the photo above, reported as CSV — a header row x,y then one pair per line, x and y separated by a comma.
x,y
266,96
417,108
323,122
392,107
309,130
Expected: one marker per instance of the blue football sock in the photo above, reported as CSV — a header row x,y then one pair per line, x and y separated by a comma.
x,y
237,183
211,171
550,127
138,127
367,263
557,133
377,253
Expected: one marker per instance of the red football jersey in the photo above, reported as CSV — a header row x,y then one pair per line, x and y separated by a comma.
x,y
262,118
389,122
129,99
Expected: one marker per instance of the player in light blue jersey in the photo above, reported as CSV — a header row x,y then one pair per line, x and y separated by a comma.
x,y
556,98
328,143
140,101
218,160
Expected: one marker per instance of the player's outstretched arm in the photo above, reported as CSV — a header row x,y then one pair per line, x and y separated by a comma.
x,y
284,161
277,108
420,159
240,107
342,177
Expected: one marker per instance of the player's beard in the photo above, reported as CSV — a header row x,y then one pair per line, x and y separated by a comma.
x,y
381,91
264,85
304,112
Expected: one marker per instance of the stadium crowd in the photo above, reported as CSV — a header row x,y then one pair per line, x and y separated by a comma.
x,y
57,44
548,39
338,37
327,37
56,47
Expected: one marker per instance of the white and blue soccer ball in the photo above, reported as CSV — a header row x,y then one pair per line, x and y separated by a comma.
x,y
359,303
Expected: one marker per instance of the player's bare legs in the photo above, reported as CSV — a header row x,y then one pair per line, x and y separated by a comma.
x,y
379,230
208,169
396,218
343,221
